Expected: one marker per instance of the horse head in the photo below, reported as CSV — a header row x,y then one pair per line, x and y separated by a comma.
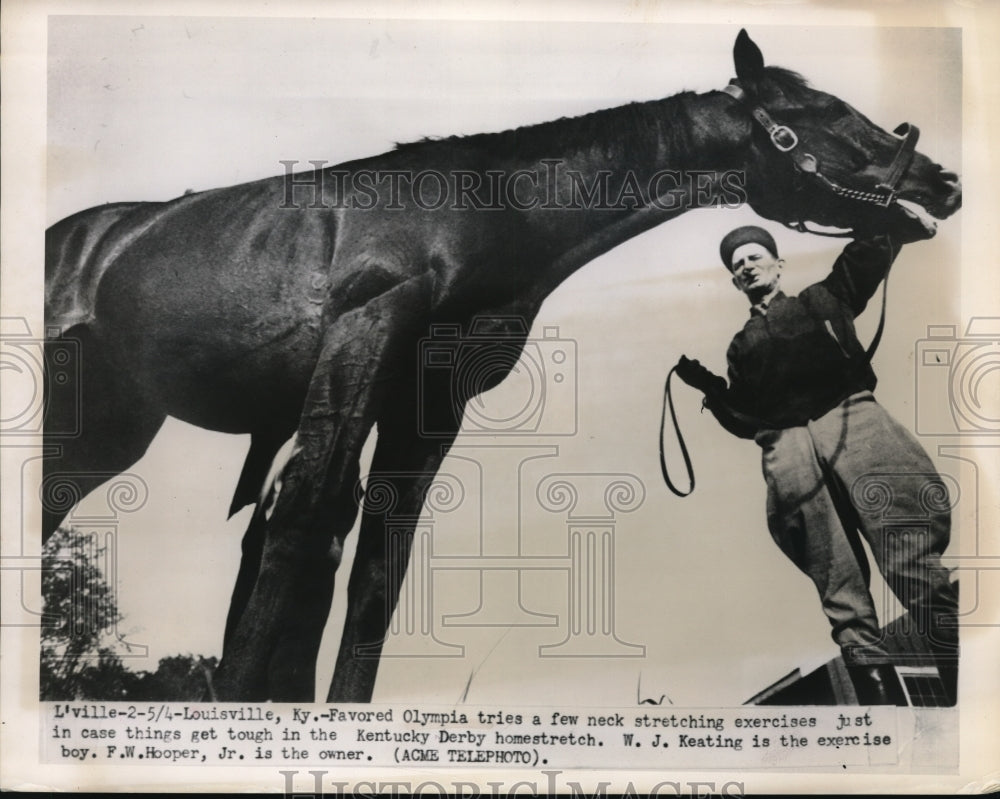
x,y
812,157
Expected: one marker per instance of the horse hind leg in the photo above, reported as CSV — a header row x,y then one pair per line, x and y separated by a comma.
x,y
404,470
96,425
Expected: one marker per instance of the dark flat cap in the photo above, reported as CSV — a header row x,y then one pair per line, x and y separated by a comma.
x,y
748,234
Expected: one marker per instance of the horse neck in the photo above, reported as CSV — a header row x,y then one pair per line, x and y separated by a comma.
x,y
677,154
687,132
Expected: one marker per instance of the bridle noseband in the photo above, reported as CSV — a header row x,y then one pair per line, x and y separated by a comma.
x,y
785,140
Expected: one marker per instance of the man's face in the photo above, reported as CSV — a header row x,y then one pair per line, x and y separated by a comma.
x,y
756,272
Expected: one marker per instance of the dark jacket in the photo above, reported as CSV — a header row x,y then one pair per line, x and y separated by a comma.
x,y
803,357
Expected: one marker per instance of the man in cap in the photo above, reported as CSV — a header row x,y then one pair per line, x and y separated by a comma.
x,y
800,384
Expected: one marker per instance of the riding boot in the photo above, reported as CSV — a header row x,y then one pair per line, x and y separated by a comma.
x,y
877,685
941,640
946,659
949,679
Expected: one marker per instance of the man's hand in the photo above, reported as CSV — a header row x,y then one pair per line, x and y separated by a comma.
x,y
697,376
910,224
916,224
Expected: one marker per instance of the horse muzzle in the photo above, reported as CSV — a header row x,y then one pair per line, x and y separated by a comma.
x,y
943,200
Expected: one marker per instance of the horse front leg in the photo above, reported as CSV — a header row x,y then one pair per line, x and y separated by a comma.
x,y
403,468
271,650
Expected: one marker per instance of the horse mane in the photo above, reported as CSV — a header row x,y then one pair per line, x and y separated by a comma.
x,y
634,123
638,121
789,83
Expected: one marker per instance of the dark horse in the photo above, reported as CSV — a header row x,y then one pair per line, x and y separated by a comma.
x,y
294,307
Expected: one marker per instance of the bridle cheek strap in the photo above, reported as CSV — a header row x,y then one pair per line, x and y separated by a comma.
x,y
908,135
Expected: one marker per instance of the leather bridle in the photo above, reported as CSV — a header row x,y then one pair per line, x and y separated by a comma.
x,y
785,140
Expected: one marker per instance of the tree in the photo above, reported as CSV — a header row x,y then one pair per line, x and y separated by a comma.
x,y
78,644
79,611
180,678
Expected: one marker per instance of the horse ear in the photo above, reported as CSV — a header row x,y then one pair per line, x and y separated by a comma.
x,y
749,60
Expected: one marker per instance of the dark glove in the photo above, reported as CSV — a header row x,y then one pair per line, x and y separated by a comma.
x,y
697,376
911,227
900,226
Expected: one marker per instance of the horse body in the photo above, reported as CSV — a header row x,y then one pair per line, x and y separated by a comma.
x,y
214,304
297,305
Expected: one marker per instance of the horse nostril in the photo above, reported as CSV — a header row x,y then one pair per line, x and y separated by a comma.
x,y
951,178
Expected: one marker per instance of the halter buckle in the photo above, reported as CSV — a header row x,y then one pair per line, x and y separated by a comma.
x,y
784,138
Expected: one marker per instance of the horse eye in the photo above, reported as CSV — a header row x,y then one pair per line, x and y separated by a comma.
x,y
857,157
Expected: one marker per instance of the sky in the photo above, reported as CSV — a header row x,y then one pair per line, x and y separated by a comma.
x,y
146,108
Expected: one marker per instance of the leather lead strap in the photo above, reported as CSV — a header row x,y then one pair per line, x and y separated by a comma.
x,y
668,400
